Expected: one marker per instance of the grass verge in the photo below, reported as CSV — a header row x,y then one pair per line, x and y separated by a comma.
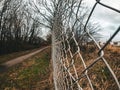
x,y
32,74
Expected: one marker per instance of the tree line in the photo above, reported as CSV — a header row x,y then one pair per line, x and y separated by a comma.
x,y
67,18
18,31
21,23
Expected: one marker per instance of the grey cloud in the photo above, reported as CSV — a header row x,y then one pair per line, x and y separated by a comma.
x,y
108,19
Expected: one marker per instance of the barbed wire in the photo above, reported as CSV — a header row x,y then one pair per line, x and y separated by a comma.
x,y
68,74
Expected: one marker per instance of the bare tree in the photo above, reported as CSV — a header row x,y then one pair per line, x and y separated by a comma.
x,y
17,29
63,14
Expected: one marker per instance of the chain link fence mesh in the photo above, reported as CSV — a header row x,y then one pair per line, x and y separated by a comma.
x,y
78,67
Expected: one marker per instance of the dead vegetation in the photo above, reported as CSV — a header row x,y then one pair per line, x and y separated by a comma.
x,y
99,74
32,74
36,73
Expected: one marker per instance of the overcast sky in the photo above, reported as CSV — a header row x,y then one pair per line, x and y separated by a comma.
x,y
108,19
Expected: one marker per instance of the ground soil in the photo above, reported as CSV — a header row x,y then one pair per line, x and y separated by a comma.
x,y
10,63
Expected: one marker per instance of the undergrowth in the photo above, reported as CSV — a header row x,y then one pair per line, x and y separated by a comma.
x,y
28,74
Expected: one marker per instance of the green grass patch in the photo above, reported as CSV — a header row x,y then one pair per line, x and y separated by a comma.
x,y
28,74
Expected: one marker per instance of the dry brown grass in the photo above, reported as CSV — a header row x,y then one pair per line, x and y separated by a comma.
x,y
32,74
99,74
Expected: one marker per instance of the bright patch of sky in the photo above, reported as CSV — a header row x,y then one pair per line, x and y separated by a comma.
x,y
107,18
1,2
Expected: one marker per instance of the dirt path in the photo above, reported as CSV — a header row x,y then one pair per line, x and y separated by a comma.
x,y
10,63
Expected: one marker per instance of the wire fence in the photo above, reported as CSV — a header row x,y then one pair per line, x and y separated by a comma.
x,y
78,69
